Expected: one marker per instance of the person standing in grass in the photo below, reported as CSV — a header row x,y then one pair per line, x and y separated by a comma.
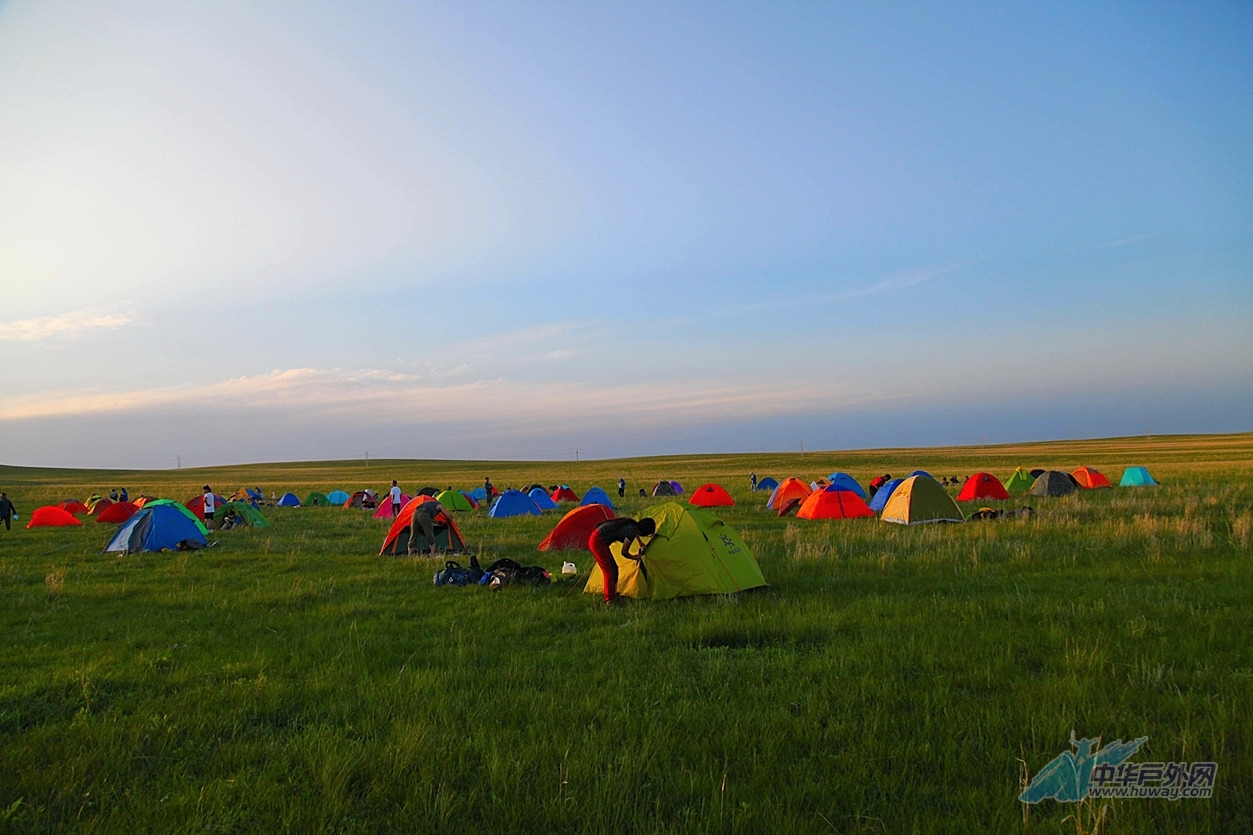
x,y
425,515
395,494
210,505
752,480
621,487
626,531
7,511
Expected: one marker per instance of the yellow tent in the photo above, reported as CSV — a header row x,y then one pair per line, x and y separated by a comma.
x,y
921,499
693,552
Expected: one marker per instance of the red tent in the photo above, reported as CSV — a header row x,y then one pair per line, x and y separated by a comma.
x,y
73,506
564,494
982,486
575,527
834,503
394,541
117,512
385,507
196,504
98,505
1090,478
51,517
711,495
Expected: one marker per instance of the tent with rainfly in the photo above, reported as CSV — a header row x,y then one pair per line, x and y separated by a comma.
x,y
337,497
317,499
1090,479
513,503
540,496
565,494
117,513
1136,477
288,500
1019,482
454,500
693,552
1053,483
664,488
834,502
597,496
51,516
181,508
786,492
244,511
572,532
161,527
447,536
880,499
196,504
711,495
920,500
766,483
384,510
73,506
982,486
848,483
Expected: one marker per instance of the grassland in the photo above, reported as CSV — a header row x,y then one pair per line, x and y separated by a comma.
x,y
889,679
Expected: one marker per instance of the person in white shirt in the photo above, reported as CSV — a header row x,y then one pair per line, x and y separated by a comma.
x,y
210,505
395,494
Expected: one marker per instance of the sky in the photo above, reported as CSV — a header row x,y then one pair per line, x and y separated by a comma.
x,y
236,231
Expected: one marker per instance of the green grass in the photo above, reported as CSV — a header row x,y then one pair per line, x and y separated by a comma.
x,y
889,679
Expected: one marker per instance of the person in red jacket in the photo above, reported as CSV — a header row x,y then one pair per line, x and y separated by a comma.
x,y
626,531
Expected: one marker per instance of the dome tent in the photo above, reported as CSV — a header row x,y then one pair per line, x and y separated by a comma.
x,y
1019,482
316,499
540,496
157,528
920,500
1137,477
51,517
1053,483
447,536
982,486
289,500
513,503
597,496
711,495
572,532
834,502
880,499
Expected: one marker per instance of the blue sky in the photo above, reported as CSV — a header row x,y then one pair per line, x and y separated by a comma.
x,y
239,232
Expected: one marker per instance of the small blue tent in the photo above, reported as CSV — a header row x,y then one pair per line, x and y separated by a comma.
x,y
597,496
766,483
921,472
158,528
1136,477
478,494
337,498
289,500
848,483
881,496
678,488
541,498
513,503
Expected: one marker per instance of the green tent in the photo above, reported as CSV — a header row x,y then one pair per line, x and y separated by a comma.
x,y
181,508
316,499
920,500
1019,482
244,511
454,500
693,552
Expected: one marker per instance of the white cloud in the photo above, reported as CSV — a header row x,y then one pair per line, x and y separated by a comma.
x,y
74,324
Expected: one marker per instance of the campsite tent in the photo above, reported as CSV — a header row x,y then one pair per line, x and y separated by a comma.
x,y
711,495
922,473
289,500
766,483
572,532
384,510
564,494
820,483
693,552
242,511
1053,483
337,498
678,488
73,506
361,499
1090,479
51,517
98,505
316,499
1136,477
540,496
848,483
454,500
196,504
919,500
791,488
513,503
982,486
597,496
880,499
181,508
1019,482
664,488
447,537
117,512
1036,473
479,495
156,528
834,502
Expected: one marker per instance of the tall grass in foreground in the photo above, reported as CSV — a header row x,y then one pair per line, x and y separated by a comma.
x,y
889,680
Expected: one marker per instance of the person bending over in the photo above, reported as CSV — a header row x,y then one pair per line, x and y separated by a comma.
x,y
425,516
626,531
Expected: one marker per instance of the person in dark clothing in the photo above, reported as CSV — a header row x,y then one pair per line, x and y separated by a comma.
x,y
626,531
113,495
621,487
7,511
487,486
425,516
752,480
124,496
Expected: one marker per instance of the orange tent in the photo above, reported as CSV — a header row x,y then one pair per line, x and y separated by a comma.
x,y
791,488
51,517
711,495
1090,478
982,486
73,506
834,503
117,512
398,535
572,532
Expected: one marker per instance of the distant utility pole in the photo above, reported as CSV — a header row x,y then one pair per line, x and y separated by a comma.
x,y
576,456
802,447
980,440
180,461
367,458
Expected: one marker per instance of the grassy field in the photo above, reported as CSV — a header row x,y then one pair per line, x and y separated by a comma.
x,y
888,680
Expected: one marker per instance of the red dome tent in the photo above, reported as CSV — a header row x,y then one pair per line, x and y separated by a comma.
x,y
447,536
117,512
564,494
196,504
835,502
1090,479
572,532
73,506
982,486
51,517
97,506
711,495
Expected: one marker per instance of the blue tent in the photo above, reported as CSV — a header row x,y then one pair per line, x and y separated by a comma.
x,y
478,494
337,497
678,488
1136,477
922,472
881,496
766,483
848,483
597,496
513,503
289,500
157,528
541,498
